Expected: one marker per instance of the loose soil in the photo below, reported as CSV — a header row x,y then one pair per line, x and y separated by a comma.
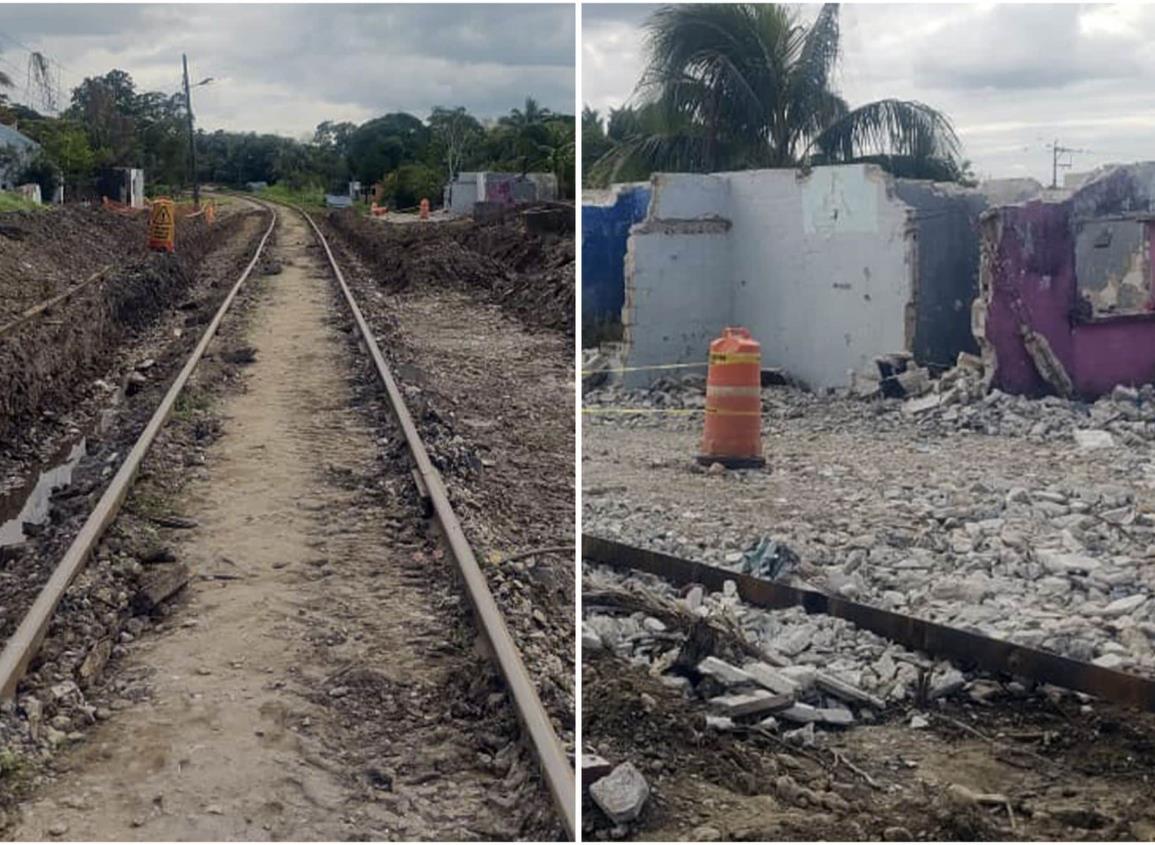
x,y
1067,774
529,275
319,680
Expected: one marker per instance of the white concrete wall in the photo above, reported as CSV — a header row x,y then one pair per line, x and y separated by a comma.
x,y
819,267
822,268
679,290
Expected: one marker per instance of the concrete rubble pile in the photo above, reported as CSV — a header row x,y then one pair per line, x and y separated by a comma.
x,y
1063,570
816,673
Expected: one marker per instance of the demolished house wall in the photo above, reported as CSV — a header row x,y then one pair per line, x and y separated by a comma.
x,y
1030,284
828,268
678,292
821,264
606,220
945,220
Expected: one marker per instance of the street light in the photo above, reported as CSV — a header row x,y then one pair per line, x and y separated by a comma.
x,y
191,137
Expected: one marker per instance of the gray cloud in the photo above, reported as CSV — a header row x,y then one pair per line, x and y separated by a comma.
x,y
1012,77
285,68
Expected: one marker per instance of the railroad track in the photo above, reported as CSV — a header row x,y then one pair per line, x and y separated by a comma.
x,y
965,647
21,648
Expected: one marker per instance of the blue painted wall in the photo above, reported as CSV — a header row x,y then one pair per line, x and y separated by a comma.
x,y
605,229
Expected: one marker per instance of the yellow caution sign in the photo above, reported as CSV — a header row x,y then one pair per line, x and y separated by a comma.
x,y
162,226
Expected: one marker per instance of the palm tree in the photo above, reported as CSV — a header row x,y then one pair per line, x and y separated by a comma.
x,y
532,114
734,86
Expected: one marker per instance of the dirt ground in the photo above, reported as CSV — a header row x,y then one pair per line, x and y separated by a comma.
x,y
1066,775
43,253
492,392
319,678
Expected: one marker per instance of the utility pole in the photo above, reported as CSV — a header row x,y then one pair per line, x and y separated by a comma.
x,y
192,146
1056,151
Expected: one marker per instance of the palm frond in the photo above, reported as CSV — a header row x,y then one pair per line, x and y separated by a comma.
x,y
889,127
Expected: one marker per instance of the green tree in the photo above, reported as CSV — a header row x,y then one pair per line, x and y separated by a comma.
x,y
733,86
454,133
595,144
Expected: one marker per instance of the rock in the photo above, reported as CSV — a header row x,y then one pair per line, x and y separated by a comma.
x,y
719,723
836,716
803,676
800,712
803,736
705,833
897,834
948,684
595,767
58,828
591,642
918,722
621,794
1089,438
1123,606
1109,661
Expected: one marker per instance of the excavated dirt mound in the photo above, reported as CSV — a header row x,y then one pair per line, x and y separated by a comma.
x,y
45,361
43,253
527,273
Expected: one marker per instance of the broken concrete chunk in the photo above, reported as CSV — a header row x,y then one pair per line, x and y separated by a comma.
x,y
949,684
803,736
917,722
723,672
801,713
694,597
719,723
847,692
804,676
835,716
1123,606
771,678
1090,438
923,403
621,794
751,704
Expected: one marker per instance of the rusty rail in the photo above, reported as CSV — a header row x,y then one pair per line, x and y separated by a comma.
x,y
25,641
964,647
555,766
41,307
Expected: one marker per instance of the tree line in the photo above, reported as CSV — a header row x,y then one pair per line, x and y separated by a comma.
x,y
734,86
110,123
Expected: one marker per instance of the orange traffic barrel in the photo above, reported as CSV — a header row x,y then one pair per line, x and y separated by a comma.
x,y
732,435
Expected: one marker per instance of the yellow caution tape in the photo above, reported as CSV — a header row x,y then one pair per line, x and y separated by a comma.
x,y
614,410
639,369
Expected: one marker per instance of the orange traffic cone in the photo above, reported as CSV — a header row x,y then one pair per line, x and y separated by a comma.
x,y
732,435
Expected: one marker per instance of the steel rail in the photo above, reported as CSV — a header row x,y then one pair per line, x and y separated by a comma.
x,y
41,307
555,767
964,647
22,646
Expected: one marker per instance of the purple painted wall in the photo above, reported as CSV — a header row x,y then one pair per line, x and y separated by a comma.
x,y
1029,276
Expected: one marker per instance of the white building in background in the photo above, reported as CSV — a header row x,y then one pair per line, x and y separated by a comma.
x,y
503,188
16,153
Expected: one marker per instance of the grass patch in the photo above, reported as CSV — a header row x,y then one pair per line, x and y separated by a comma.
x,y
310,199
189,403
14,202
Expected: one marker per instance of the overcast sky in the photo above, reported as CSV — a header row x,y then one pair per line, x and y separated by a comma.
x,y
286,68
1012,78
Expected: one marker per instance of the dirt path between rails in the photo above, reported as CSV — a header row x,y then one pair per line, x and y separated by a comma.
x,y
301,581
